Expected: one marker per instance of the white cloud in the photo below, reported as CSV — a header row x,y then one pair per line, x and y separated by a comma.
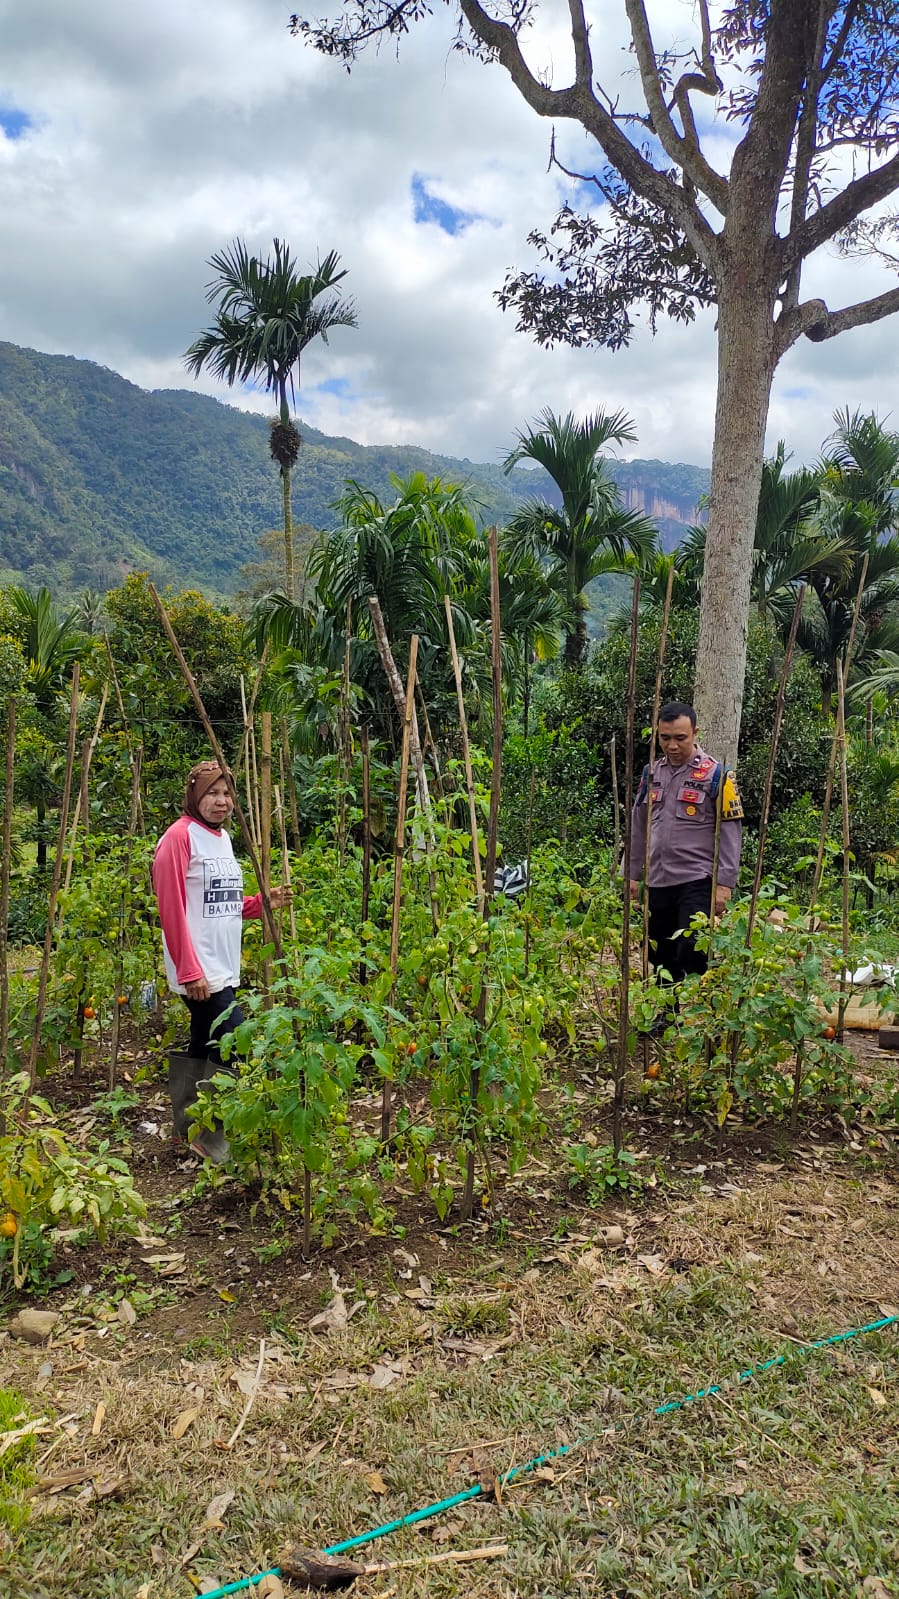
x,y
161,132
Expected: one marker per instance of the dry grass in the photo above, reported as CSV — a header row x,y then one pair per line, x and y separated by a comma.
x,y
781,1487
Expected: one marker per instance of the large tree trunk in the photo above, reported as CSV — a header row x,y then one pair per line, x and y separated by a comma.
x,y
745,369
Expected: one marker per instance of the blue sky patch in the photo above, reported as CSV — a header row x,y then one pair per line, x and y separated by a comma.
x,y
14,123
427,207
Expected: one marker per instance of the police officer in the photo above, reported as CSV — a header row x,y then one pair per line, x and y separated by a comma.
x,y
684,783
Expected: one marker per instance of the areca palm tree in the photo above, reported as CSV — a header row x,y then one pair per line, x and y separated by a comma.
x,y
859,509
268,313
591,532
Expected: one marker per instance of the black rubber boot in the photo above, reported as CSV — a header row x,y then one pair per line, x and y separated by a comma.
x,y
185,1072
187,1076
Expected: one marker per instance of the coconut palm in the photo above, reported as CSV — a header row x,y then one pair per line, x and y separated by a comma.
x,y
590,532
267,315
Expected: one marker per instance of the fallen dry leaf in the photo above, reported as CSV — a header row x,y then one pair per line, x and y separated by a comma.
x,y
878,1398
215,1510
376,1482
127,1313
333,1318
185,1420
877,1587
653,1263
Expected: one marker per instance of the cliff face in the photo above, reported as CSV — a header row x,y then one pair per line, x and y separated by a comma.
x,y
660,508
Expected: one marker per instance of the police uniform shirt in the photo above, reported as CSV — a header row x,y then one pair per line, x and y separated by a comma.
x,y
682,837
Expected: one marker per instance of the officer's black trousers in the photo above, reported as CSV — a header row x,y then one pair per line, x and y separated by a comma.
x,y
671,909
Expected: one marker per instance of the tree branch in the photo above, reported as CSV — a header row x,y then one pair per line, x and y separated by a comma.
x,y
579,103
580,34
857,197
684,151
818,323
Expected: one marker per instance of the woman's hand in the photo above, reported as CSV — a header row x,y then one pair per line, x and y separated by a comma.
x,y
197,990
280,896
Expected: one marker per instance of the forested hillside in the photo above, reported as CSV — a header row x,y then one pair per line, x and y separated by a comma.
x,y
99,478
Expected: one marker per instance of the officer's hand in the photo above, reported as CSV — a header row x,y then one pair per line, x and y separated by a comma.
x,y
722,895
281,896
635,889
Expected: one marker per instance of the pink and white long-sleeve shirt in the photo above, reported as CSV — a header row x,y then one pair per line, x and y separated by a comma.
x,y
202,906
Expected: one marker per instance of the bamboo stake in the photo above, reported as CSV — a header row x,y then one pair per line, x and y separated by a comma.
x,y
344,756
624,994
9,794
285,861
124,720
429,742
496,681
265,830
123,920
834,744
268,917
527,891
396,688
616,810
41,1001
736,1034
772,757
398,862
88,750
466,753
366,838
844,821
424,797
653,751
290,784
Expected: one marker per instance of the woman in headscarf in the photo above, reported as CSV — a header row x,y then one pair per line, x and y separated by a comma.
x,y
202,907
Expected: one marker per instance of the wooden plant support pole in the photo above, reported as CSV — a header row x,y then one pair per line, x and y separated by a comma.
x,y
736,1033
772,757
366,838
616,810
249,711
846,842
120,703
124,907
265,828
8,799
268,915
285,861
290,785
653,742
41,1002
834,747
398,862
496,681
399,695
527,891
429,743
624,991
344,751
466,753
88,750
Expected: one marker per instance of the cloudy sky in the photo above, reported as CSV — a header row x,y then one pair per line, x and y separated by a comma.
x,y
136,140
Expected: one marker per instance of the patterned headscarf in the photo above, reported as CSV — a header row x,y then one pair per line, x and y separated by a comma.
x,y
200,780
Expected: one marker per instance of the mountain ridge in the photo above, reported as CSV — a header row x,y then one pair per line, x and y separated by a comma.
x,y
99,477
